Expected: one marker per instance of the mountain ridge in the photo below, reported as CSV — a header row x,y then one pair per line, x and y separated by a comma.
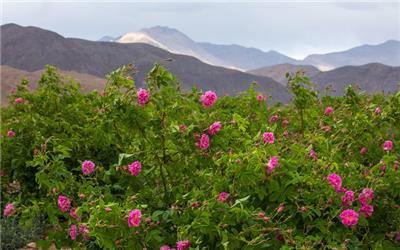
x,y
30,48
371,78
249,58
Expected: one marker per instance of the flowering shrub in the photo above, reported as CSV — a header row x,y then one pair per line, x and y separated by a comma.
x,y
161,177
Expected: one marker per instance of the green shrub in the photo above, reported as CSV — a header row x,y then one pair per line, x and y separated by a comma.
x,y
290,206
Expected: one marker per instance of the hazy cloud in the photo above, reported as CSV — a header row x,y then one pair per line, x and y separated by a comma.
x,y
296,28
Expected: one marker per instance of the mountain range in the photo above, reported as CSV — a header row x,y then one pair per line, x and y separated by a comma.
x,y
243,58
26,50
371,78
31,48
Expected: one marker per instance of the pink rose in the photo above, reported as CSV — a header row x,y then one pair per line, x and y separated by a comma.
x,y
209,98
335,181
63,203
135,168
9,210
268,137
387,145
182,245
348,198
134,218
10,133
142,97
367,210
88,167
328,110
366,195
261,98
204,142
272,164
72,212
349,217
223,196
214,128
19,100
73,231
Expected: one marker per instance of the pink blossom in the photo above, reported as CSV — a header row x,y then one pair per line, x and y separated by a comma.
x,y
348,198
142,97
261,214
165,247
313,154
366,195
367,210
82,196
223,196
335,181
261,98
273,118
387,145
209,98
378,110
328,110
182,245
72,212
204,142
107,209
10,133
285,123
349,217
88,167
19,100
9,210
268,137
84,230
214,128
363,150
273,162
280,208
195,204
285,134
134,218
63,203
73,231
135,168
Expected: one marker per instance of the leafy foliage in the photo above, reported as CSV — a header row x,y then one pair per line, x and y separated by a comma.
x,y
57,128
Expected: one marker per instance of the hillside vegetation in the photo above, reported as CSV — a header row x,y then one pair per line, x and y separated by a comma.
x,y
157,168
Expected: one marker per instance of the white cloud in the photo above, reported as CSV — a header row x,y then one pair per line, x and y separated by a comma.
x,y
296,28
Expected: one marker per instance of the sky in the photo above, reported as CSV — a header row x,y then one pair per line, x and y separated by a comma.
x,y
296,28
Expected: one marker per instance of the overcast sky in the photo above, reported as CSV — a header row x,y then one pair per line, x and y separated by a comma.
x,y
296,28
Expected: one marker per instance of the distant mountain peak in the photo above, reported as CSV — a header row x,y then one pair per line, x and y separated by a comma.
x,y
163,29
387,53
229,56
107,39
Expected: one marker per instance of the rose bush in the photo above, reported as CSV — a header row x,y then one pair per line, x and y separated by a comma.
x,y
143,168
